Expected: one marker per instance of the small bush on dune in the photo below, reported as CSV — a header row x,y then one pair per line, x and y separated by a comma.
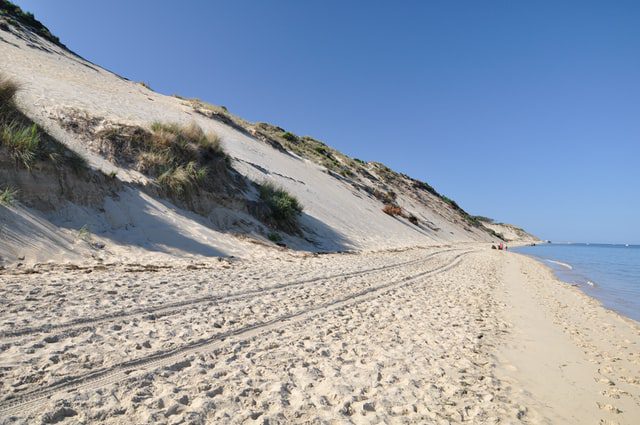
x,y
185,143
284,206
8,196
22,142
392,210
177,155
275,237
289,136
8,90
183,179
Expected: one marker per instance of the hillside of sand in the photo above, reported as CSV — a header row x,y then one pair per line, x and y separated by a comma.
x,y
117,207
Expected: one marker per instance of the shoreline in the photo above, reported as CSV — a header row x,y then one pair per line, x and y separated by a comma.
x,y
559,273
568,357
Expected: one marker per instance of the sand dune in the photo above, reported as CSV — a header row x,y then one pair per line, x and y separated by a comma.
x,y
121,305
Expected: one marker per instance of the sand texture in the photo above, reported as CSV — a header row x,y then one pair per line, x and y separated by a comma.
x,y
426,335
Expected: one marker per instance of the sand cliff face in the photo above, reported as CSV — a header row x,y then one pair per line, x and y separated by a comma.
x,y
120,210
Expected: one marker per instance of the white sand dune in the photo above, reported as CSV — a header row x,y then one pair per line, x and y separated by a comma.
x,y
336,216
129,309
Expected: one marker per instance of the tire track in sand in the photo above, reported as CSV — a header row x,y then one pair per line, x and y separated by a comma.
x,y
162,310
99,378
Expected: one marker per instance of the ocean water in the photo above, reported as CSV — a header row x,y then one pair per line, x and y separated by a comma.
x,y
609,273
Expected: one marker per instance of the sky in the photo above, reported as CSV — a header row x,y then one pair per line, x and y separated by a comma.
x,y
526,112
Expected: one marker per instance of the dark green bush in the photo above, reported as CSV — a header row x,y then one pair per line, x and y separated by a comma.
x,y
275,237
284,207
289,136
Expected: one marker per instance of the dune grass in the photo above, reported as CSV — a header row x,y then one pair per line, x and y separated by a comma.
x,y
178,156
284,207
8,90
183,180
24,140
8,196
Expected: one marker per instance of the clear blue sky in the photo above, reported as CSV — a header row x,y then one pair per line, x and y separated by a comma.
x,y
527,112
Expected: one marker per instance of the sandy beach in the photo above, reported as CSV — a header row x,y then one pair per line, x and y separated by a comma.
x,y
448,334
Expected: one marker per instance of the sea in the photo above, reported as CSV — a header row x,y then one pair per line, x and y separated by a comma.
x,y
609,273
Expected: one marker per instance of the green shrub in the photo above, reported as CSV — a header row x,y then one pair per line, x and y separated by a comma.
x,y
8,90
274,237
482,219
84,233
183,180
284,206
22,142
183,143
289,136
8,196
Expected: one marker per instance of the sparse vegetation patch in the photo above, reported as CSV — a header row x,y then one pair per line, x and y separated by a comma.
x,y
14,15
178,157
274,237
284,207
25,141
392,210
8,196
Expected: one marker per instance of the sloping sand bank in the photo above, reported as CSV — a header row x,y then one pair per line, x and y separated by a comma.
x,y
398,336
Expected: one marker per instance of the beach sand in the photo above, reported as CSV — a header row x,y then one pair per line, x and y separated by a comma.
x,y
449,334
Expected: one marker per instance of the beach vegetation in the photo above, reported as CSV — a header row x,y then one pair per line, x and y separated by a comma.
x,y
84,233
284,207
179,157
274,237
289,136
26,142
15,15
8,196
22,142
483,219
182,180
392,210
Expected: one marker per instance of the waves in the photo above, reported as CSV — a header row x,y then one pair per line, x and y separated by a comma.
x,y
560,263
609,273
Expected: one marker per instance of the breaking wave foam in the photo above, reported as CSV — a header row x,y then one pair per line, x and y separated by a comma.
x,y
560,263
